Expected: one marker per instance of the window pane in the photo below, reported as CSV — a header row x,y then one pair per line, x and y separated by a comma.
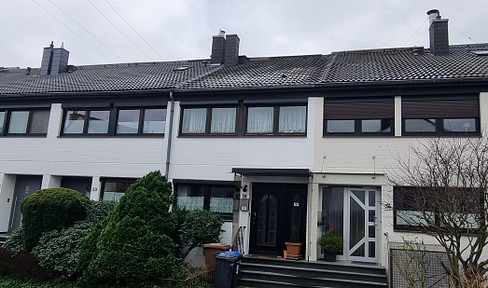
x,y
2,121
460,125
113,191
128,122
260,120
194,120
221,199
420,125
223,120
154,121
340,126
98,122
292,119
73,124
188,198
376,126
18,122
39,121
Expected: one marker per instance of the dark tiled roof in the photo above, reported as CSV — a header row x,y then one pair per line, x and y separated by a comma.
x,y
265,72
395,64
406,64
113,77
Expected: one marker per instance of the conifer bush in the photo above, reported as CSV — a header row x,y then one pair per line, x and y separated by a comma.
x,y
50,209
131,247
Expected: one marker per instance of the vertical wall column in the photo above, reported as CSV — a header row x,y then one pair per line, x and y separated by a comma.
x,y
96,188
313,210
49,181
484,113
398,116
55,119
7,186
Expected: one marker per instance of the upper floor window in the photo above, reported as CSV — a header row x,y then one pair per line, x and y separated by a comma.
x,y
242,120
141,121
24,122
277,120
424,116
205,121
359,117
136,121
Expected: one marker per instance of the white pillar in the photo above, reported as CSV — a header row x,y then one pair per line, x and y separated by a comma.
x,y
7,186
95,188
49,181
55,120
398,116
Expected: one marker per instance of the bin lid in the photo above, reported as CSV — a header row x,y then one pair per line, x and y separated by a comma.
x,y
218,246
229,256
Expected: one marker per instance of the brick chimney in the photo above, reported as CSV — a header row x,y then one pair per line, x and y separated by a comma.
x,y
439,33
225,50
54,60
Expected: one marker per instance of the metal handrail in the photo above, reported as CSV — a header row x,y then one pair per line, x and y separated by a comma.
x,y
238,244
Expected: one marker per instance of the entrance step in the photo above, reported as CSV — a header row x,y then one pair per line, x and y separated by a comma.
x,y
3,238
275,272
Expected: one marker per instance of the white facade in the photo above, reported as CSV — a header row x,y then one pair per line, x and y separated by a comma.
x,y
358,161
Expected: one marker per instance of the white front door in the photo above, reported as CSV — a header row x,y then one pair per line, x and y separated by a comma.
x,y
360,223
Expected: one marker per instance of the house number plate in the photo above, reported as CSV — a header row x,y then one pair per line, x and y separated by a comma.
x,y
296,204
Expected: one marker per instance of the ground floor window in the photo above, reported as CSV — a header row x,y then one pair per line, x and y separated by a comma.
x,y
217,197
114,188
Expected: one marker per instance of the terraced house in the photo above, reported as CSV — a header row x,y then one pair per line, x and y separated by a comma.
x,y
277,145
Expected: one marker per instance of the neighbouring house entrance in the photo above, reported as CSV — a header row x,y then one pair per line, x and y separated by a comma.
x,y
278,215
25,185
353,213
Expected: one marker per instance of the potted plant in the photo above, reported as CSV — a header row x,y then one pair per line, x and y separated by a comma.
x,y
294,247
331,243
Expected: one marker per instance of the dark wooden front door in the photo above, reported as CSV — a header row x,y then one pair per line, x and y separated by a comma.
x,y
278,214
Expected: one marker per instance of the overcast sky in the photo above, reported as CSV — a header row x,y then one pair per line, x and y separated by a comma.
x,y
111,31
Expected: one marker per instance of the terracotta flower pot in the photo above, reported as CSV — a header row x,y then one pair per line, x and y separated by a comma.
x,y
293,250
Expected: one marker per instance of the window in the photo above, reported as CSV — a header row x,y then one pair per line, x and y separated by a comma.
x,y
242,120
213,197
359,117
424,116
130,121
114,189
209,121
415,208
276,120
25,122
141,121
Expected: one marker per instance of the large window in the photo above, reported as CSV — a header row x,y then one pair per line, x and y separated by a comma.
x,y
209,121
213,197
359,117
24,122
130,121
277,120
244,120
426,116
141,121
416,208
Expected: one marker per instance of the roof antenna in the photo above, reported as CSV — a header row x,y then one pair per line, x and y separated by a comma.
x,y
62,45
52,44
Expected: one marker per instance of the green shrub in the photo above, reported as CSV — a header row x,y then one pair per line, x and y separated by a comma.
x,y
15,242
58,250
331,241
9,282
131,248
50,209
195,228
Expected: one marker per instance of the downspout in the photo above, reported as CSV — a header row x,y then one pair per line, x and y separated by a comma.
x,y
170,133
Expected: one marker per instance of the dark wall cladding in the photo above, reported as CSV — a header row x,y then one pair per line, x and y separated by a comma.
x,y
440,108
359,109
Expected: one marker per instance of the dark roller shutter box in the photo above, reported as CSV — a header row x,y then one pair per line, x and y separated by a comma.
x,y
440,108
340,110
